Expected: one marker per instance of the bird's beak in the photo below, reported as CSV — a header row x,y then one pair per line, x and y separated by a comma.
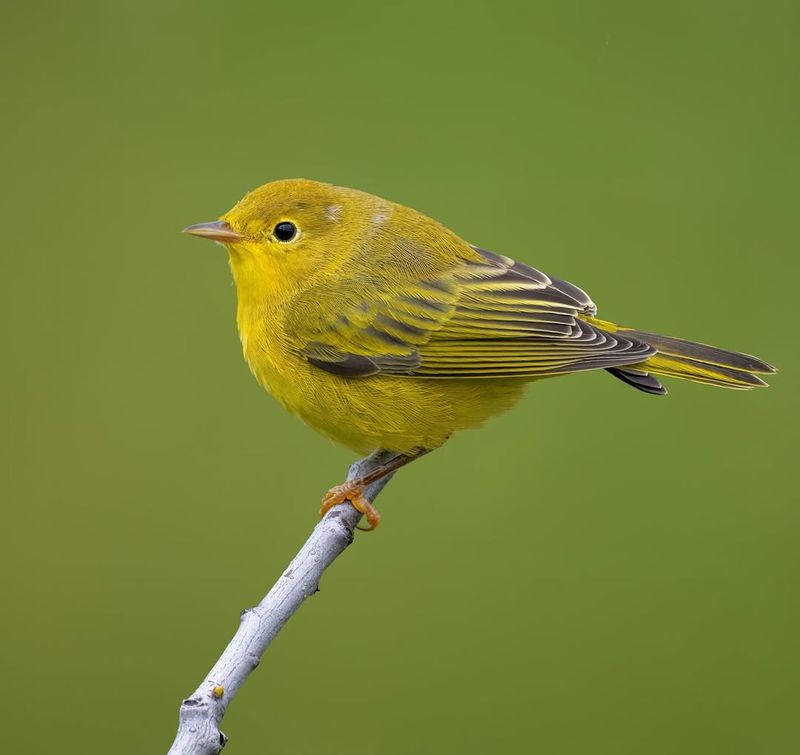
x,y
217,230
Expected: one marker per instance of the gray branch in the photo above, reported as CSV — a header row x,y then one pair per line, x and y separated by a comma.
x,y
201,713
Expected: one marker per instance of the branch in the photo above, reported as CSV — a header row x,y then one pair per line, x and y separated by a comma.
x,y
200,714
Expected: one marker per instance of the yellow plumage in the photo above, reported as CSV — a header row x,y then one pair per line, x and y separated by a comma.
x,y
381,328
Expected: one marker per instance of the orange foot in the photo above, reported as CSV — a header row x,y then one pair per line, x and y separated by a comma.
x,y
353,492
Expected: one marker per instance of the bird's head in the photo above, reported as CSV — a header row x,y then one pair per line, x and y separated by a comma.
x,y
286,233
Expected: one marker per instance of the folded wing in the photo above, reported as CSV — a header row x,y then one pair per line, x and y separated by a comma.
x,y
486,317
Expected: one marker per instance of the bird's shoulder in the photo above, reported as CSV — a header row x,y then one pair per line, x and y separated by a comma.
x,y
398,254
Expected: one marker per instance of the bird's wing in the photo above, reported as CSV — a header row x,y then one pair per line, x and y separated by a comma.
x,y
485,317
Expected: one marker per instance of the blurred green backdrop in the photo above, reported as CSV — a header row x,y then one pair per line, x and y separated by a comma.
x,y
629,587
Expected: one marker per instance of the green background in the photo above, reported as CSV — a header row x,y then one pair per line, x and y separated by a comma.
x,y
598,571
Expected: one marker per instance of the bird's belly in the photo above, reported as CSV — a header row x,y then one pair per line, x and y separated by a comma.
x,y
395,413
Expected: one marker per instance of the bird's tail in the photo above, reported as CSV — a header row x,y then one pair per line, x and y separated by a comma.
x,y
687,360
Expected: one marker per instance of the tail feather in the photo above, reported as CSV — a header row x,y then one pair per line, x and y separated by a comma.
x,y
702,372
640,379
701,353
688,360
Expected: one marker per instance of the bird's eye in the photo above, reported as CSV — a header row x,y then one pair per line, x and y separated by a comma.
x,y
285,231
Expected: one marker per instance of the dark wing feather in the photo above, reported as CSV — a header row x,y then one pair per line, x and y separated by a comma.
x,y
640,379
486,317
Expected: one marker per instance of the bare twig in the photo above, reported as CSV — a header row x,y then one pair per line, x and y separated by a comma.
x,y
201,713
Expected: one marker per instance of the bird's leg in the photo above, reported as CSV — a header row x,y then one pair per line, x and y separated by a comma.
x,y
353,490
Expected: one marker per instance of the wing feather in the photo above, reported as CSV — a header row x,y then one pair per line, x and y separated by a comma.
x,y
487,316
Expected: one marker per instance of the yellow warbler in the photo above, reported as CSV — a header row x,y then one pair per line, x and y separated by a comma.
x,y
382,329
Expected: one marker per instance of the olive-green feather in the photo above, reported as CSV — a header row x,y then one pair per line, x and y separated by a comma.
x,y
492,317
486,317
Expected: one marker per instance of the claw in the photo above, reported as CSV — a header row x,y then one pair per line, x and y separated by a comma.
x,y
353,492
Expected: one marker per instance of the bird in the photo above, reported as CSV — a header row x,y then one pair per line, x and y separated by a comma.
x,y
386,332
